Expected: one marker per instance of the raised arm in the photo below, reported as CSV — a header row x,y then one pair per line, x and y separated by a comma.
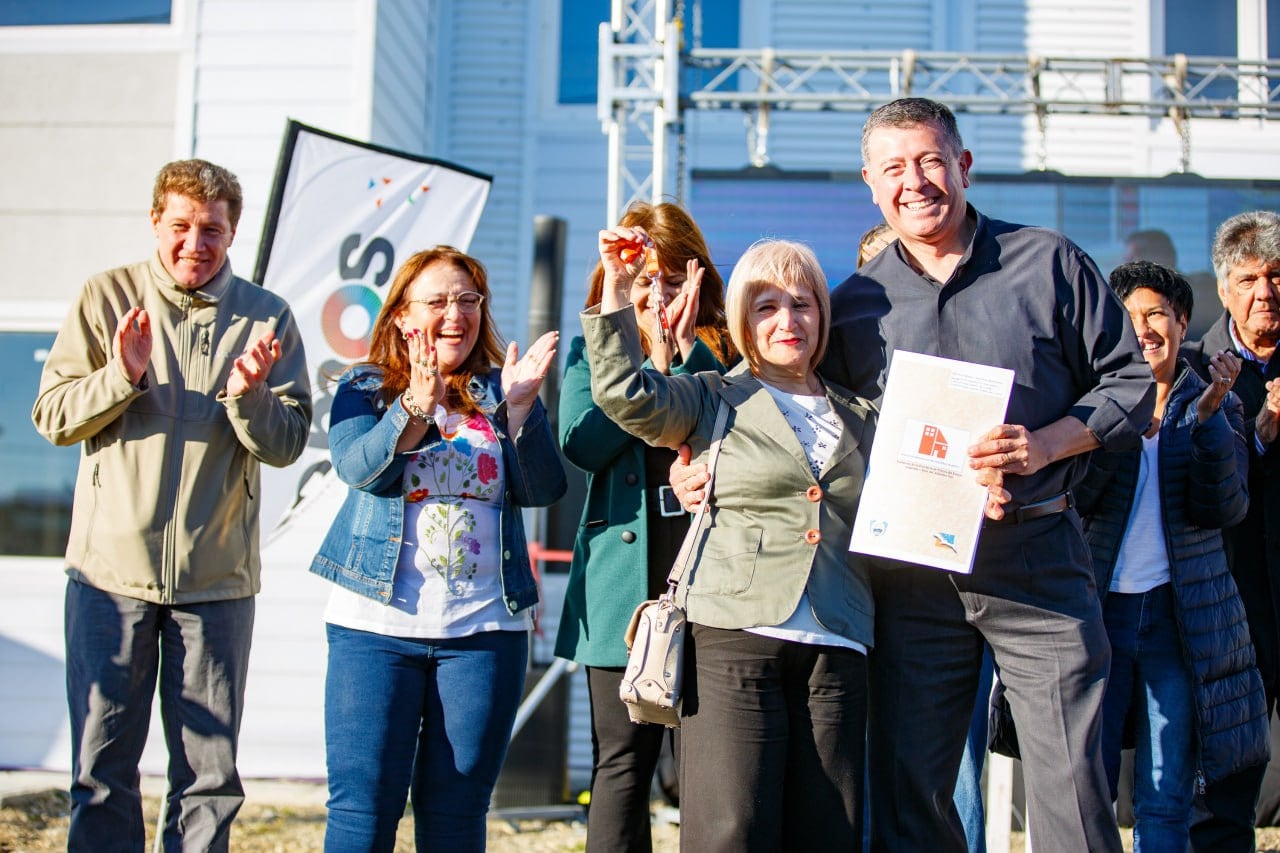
x,y
268,395
85,384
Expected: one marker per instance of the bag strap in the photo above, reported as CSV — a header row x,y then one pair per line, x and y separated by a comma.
x,y
686,548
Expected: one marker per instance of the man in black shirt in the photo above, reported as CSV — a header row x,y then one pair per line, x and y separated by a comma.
x,y
962,286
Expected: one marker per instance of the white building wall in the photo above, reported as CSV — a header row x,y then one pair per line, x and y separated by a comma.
x,y
1094,145
488,74
404,79
258,64
805,140
83,125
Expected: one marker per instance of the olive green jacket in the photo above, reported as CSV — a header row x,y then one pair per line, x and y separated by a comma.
x,y
772,529
166,498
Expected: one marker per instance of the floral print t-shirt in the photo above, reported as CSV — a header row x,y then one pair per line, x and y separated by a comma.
x,y
447,581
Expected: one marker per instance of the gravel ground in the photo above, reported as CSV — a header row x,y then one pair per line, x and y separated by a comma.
x,y
37,823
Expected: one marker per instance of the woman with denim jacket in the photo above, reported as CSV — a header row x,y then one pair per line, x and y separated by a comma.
x,y
428,623
1183,687
631,526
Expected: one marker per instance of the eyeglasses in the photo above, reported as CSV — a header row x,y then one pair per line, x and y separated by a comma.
x,y
468,302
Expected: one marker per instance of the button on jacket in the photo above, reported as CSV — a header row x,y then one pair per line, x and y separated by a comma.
x,y
764,539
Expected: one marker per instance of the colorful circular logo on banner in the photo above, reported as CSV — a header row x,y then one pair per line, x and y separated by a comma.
x,y
347,320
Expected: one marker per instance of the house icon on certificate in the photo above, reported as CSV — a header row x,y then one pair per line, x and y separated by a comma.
x,y
933,442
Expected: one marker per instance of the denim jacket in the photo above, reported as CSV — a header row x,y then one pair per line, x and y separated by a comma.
x,y
362,548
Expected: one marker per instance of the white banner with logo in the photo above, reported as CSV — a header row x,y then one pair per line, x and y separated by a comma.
x,y
343,216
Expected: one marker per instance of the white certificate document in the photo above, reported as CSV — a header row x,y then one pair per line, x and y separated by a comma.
x,y
921,502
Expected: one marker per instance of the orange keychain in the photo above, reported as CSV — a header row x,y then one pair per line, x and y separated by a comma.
x,y
653,269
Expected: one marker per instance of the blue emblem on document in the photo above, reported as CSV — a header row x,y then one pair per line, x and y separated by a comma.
x,y
945,540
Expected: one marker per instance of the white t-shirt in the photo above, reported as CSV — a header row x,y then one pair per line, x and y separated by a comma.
x,y
818,429
447,581
1143,561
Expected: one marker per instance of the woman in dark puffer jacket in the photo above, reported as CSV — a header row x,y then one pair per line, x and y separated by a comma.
x,y
1183,681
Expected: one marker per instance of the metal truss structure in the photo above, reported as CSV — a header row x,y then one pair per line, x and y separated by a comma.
x,y
643,63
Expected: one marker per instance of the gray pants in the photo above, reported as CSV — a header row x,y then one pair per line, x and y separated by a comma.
x,y
117,650
1032,598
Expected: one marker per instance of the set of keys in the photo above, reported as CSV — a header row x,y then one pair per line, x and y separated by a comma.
x,y
652,269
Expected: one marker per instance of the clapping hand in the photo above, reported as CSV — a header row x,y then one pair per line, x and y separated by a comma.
x,y
253,366
522,376
1223,370
131,345
683,310
1269,415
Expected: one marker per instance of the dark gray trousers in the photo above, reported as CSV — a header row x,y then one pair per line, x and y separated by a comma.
x,y
1032,598
117,650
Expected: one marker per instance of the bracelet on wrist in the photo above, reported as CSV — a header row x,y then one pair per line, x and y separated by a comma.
x,y
412,406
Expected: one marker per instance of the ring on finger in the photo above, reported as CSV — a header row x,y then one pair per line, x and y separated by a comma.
x,y
431,371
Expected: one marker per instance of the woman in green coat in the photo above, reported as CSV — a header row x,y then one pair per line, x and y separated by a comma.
x,y
632,525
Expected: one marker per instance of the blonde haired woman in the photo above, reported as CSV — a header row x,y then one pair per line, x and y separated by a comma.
x,y
781,614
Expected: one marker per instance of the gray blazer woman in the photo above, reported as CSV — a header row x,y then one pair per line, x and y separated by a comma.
x,y
780,612
772,527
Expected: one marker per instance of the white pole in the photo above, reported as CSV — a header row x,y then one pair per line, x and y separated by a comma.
x,y
999,802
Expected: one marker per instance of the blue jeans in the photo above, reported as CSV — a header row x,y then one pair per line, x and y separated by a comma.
x,y
1151,683
427,718
968,794
117,649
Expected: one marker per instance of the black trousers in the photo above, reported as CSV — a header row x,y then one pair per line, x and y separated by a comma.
x,y
771,746
625,755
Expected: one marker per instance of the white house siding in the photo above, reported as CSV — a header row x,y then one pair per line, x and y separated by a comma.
x,y
999,143
804,140
404,83
487,75
82,133
258,64
33,706
1220,148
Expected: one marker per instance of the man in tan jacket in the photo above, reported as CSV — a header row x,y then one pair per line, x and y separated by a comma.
x,y
178,379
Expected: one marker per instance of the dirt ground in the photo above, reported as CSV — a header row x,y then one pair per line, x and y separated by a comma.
x,y
38,823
